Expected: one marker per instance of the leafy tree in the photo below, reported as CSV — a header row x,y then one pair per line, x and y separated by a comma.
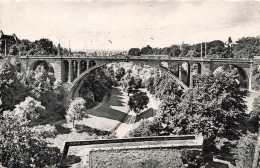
x,y
254,115
174,51
150,85
167,89
12,90
13,50
247,47
120,72
138,101
134,52
45,89
44,46
29,109
137,82
215,47
244,151
76,110
145,128
21,147
146,50
93,84
184,50
214,108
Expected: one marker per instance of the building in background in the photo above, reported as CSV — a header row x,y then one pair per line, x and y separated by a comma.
x,y
6,41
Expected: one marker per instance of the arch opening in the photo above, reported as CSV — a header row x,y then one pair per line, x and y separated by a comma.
x,y
65,70
42,65
184,74
240,74
74,66
83,66
92,63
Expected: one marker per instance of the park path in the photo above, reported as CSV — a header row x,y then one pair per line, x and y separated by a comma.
x,y
132,121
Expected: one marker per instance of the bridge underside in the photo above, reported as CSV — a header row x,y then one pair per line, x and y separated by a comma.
x,y
71,70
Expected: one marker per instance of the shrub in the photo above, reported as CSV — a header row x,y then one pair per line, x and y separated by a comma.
x,y
244,152
62,130
46,131
145,128
90,131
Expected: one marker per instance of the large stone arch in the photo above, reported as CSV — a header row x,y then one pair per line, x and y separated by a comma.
x,y
243,74
78,81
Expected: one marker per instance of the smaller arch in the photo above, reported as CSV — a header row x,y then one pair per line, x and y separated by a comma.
x,y
185,72
65,71
83,66
42,64
74,66
92,63
242,76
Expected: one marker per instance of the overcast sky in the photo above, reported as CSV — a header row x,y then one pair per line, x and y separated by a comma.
x,y
117,25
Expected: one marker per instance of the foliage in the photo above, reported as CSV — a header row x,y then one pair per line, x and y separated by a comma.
x,y
46,131
247,47
145,128
90,130
76,110
254,115
256,77
146,50
174,51
134,52
120,72
12,90
44,88
244,151
138,101
95,86
21,147
137,82
214,107
29,109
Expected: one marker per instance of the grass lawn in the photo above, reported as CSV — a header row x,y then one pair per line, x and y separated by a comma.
x,y
150,158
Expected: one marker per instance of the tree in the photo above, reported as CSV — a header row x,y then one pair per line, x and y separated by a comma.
x,y
13,50
76,110
134,52
120,72
29,109
214,108
44,46
137,82
174,51
146,50
244,151
247,47
12,90
21,147
138,101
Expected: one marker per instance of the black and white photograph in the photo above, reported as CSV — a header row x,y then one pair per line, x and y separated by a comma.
x,y
130,84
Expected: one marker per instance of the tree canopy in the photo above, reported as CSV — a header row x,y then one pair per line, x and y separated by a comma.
x,y
138,101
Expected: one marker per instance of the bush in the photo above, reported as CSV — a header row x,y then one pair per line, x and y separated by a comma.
x,y
46,131
90,131
62,130
244,152
145,128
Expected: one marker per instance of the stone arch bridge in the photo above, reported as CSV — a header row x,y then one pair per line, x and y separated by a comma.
x,y
71,70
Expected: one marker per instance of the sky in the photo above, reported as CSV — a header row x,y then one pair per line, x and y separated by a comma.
x,y
118,25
